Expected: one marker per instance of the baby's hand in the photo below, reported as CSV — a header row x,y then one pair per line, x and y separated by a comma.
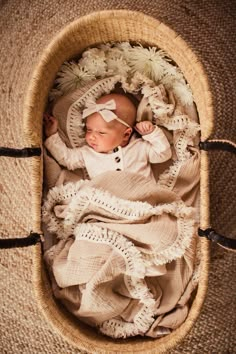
x,y
145,127
50,125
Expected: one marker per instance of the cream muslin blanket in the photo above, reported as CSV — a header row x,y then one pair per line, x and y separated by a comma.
x,y
125,255
124,258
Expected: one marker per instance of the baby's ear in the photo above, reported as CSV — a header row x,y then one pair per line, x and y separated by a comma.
x,y
128,132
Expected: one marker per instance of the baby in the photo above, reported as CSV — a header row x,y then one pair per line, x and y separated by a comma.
x,y
109,126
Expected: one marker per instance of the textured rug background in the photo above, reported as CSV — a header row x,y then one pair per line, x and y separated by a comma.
x,y
26,27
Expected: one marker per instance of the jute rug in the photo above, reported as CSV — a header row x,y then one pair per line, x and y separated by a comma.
x,y
26,27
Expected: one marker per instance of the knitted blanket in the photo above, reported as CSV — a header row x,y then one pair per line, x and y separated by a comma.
x,y
124,258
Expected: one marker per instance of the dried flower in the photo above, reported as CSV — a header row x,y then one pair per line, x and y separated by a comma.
x,y
136,65
114,53
96,66
94,53
105,47
71,76
94,60
183,92
148,61
171,74
117,66
124,46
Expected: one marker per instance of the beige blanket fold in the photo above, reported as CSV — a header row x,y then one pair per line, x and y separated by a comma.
x,y
124,257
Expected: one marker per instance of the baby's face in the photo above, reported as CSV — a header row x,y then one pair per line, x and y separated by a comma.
x,y
102,136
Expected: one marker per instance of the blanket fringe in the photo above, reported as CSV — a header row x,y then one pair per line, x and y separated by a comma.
x,y
131,255
82,198
116,328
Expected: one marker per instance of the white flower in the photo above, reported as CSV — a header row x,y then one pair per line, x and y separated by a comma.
x,y
105,47
137,66
94,53
123,46
96,66
71,76
173,79
114,53
148,61
183,92
171,74
93,60
117,66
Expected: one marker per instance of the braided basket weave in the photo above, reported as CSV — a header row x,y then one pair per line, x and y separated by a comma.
x,y
93,29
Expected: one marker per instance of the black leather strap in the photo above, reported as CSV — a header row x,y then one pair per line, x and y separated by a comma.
x,y
33,237
21,153
210,233
217,145
30,240
213,236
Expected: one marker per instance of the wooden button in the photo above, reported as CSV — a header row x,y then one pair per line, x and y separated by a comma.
x,y
117,159
118,169
116,149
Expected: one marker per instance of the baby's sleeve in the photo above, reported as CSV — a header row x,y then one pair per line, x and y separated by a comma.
x,y
158,147
70,158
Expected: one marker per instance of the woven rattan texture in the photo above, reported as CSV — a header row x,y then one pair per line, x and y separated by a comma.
x,y
26,27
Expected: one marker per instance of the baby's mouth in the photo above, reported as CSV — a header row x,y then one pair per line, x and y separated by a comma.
x,y
94,146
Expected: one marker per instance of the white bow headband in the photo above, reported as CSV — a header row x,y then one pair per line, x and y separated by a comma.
x,y
105,110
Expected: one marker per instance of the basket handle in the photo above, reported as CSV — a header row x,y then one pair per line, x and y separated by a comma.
x,y
20,242
209,233
33,237
20,153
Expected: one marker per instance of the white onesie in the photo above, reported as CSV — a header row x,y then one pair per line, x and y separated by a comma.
x,y
135,157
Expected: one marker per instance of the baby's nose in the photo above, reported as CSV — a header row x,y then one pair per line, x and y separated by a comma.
x,y
93,136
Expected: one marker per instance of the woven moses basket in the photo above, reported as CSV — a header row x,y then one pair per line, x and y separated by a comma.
x,y
91,30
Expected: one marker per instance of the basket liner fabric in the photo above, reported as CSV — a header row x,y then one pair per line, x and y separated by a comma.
x,y
47,340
